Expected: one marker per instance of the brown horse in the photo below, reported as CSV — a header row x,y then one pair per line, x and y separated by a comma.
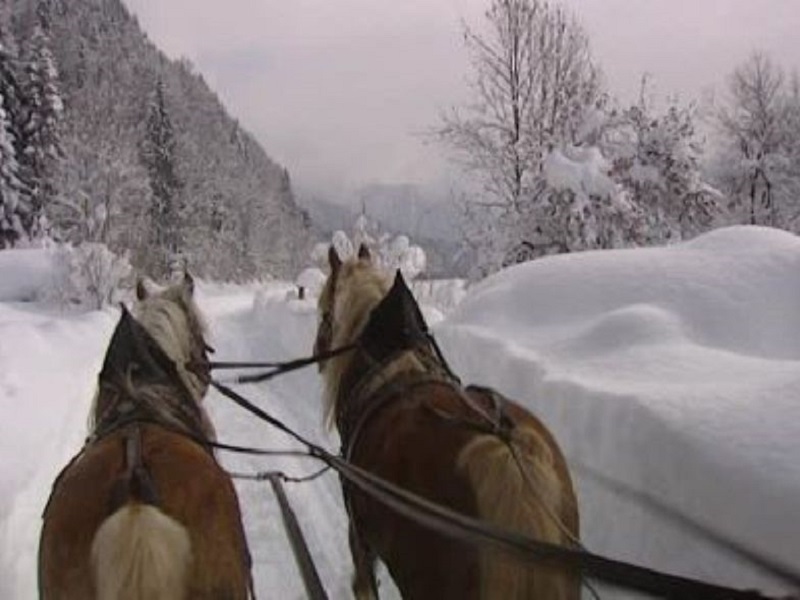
x,y
402,415
144,511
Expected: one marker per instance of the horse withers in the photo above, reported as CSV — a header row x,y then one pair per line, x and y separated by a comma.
x,y
144,511
403,416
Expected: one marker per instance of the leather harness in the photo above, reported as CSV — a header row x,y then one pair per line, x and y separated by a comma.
x,y
371,395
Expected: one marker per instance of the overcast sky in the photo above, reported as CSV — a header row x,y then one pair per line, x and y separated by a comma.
x,y
339,90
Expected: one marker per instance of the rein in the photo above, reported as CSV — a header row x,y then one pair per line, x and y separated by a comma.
x,y
276,368
475,531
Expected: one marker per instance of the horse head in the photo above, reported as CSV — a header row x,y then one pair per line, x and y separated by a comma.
x,y
360,307
157,355
173,319
353,288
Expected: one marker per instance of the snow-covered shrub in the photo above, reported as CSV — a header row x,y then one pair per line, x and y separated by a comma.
x,y
89,276
398,253
390,252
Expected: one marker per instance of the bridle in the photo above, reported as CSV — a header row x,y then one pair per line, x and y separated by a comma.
x,y
124,409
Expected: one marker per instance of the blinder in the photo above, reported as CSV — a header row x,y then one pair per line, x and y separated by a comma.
x,y
132,344
395,324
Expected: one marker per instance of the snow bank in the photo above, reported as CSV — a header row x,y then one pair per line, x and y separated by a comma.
x,y
48,369
25,273
675,370
735,289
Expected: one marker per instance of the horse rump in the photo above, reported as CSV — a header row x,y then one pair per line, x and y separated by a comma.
x,y
518,487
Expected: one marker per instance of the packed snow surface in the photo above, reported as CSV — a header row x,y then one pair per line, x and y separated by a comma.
x,y
675,371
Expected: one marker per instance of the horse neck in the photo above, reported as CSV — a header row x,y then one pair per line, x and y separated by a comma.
x,y
176,403
347,371
171,327
123,400
177,334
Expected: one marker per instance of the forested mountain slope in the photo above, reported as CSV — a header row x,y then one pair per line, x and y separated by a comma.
x,y
130,116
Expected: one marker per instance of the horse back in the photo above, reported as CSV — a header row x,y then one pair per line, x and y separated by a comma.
x,y
189,487
422,442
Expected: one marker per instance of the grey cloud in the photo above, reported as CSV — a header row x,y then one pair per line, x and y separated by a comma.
x,y
337,89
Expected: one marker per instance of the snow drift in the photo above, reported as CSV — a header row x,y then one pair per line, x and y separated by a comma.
x,y
674,370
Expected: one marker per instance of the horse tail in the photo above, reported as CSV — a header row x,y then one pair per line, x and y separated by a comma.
x,y
519,486
141,553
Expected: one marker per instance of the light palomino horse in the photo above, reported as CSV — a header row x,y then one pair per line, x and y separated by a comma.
x,y
403,416
144,511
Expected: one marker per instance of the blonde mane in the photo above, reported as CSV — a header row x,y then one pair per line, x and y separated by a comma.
x,y
358,287
173,320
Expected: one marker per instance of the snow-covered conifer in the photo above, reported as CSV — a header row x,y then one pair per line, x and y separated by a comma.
x,y
42,113
158,154
10,207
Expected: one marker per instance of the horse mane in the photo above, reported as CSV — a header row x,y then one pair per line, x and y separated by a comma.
x,y
173,319
359,288
173,322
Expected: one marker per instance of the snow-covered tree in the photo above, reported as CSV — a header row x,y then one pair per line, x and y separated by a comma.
x,y
10,213
361,232
656,158
238,218
158,153
14,198
89,276
10,82
43,110
757,166
534,83
584,208
342,244
102,189
399,253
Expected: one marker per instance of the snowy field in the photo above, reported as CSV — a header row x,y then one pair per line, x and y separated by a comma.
x,y
675,371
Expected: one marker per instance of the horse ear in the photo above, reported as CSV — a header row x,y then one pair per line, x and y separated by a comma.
x,y
141,290
333,259
364,253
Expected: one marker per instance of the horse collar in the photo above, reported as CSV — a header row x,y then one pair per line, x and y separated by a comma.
x,y
372,394
373,391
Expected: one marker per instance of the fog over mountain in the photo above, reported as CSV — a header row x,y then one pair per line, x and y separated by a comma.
x,y
427,217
